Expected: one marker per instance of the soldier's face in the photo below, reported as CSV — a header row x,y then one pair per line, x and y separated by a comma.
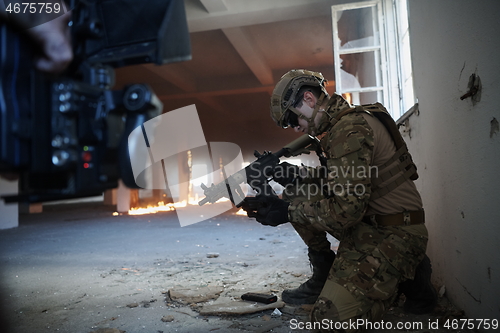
x,y
307,109
303,126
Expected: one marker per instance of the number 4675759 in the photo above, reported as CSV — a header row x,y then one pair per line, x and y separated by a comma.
x,y
34,7
472,324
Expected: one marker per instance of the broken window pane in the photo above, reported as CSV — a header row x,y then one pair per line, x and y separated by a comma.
x,y
358,28
364,66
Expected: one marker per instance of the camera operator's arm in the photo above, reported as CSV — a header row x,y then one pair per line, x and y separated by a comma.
x,y
54,37
52,34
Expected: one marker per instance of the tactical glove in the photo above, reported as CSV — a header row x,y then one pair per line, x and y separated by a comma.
x,y
267,210
285,173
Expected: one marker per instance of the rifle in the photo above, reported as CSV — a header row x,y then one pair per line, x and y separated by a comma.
x,y
258,173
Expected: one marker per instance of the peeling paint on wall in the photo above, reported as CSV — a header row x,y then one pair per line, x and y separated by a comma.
x,y
494,127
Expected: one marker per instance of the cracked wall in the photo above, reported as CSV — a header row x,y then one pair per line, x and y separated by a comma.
x,y
456,146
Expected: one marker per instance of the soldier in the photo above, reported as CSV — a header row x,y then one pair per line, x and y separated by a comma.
x,y
363,194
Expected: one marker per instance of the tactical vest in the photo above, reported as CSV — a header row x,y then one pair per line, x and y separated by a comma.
x,y
405,165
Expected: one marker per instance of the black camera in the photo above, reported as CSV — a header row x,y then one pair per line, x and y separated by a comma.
x,y
66,136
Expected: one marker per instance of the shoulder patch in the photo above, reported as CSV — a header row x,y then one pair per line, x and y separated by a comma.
x,y
348,146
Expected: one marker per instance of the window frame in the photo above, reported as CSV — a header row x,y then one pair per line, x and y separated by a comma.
x,y
396,79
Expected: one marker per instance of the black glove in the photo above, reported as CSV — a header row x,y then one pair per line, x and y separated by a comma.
x,y
285,173
267,210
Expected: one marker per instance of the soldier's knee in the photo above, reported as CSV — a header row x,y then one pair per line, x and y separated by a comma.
x,y
337,309
325,316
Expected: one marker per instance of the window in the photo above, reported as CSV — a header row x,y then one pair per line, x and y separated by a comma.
x,y
372,54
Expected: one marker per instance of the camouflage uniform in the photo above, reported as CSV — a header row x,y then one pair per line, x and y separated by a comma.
x,y
371,260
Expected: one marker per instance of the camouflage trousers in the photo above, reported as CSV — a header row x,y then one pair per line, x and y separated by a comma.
x,y
363,281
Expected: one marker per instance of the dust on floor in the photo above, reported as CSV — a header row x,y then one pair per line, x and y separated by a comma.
x,y
77,268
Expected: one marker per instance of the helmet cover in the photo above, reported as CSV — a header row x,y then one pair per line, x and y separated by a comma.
x,y
284,95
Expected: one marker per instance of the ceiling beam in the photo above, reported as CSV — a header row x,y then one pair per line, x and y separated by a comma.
x,y
202,95
176,75
214,6
250,12
212,102
250,54
206,94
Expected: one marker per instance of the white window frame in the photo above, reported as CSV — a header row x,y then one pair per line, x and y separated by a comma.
x,y
393,69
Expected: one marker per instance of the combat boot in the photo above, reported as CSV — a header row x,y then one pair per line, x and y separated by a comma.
x,y
308,292
421,296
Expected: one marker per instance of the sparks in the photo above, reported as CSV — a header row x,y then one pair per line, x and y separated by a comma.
x,y
161,207
241,212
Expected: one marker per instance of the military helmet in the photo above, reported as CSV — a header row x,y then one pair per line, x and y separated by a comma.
x,y
285,92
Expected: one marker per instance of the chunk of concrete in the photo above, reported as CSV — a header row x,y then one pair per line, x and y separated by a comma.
x,y
195,294
238,308
168,319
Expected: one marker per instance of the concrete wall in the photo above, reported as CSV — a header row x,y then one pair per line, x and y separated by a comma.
x,y
456,145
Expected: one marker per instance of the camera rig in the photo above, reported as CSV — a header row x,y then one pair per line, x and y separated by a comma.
x,y
66,136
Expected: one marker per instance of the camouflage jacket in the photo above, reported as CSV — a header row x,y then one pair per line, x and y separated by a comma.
x,y
344,183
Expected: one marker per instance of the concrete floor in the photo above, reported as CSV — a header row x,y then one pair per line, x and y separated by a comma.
x,y
77,268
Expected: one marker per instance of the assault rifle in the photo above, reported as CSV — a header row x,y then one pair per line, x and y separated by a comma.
x,y
258,173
